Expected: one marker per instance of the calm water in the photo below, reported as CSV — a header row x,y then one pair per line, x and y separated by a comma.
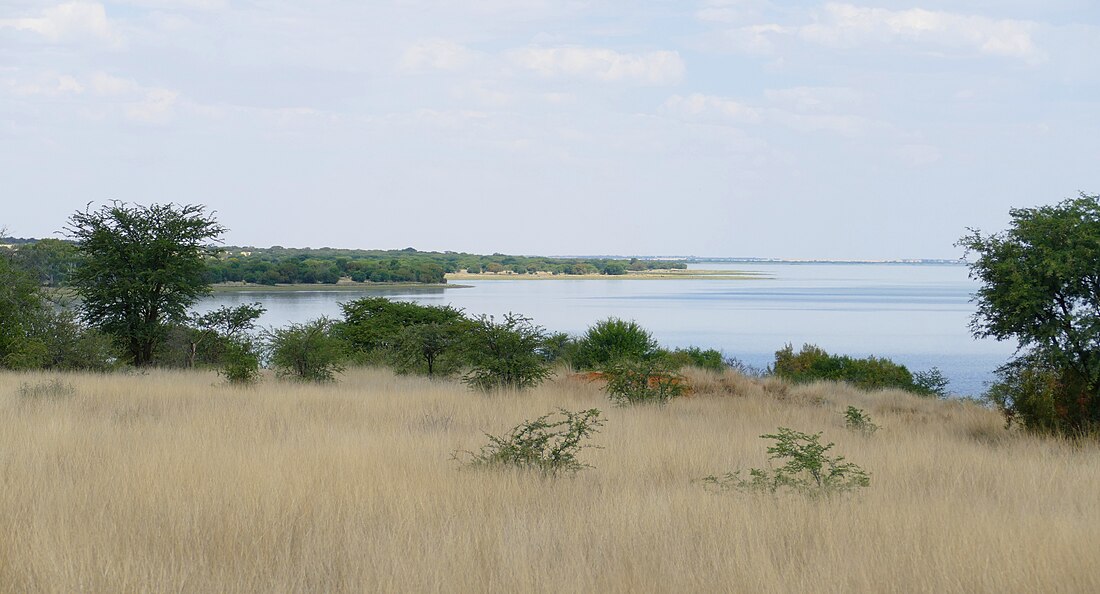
x,y
913,314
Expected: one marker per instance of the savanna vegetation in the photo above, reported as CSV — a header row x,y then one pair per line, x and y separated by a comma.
x,y
175,481
413,447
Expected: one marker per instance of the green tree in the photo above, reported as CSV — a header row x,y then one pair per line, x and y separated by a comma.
x,y
612,339
505,354
309,352
1041,287
376,323
22,313
141,267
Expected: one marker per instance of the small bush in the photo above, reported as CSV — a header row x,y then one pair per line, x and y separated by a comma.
x,y
307,352
807,469
240,363
632,381
709,359
505,354
549,444
54,389
857,420
611,340
931,383
814,364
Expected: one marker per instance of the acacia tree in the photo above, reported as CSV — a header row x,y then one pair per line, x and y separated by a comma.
x,y
142,267
1041,287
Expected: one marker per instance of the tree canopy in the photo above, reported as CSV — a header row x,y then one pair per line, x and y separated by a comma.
x,y
141,267
1041,287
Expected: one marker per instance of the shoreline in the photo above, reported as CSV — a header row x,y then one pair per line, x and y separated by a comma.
x,y
656,274
347,287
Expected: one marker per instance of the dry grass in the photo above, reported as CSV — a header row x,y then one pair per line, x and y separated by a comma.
x,y
172,483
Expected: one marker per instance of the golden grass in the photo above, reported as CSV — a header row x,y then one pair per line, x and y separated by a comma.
x,y
170,482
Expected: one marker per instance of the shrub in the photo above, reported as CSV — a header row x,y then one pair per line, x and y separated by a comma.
x,y
1041,397
931,383
52,390
814,364
632,381
307,352
807,469
505,354
549,444
613,339
709,359
240,362
857,420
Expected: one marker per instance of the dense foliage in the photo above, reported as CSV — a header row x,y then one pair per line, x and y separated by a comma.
x,y
279,265
505,354
141,268
612,339
309,352
1041,287
872,373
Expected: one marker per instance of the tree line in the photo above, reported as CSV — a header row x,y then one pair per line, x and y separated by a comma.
x,y
138,271
52,261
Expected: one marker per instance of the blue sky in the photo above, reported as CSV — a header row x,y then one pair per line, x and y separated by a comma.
x,y
851,130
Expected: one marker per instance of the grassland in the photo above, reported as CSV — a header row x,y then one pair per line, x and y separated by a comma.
x,y
172,482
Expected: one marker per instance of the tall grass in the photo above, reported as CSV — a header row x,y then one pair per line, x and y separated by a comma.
x,y
172,482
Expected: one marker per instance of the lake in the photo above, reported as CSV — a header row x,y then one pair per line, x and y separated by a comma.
x,y
915,314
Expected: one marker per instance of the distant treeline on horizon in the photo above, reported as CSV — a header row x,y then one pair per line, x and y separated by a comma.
x,y
52,259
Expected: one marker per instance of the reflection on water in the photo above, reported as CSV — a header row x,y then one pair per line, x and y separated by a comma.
x,y
915,314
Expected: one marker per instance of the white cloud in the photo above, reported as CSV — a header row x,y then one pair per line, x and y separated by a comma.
x,y
651,68
437,54
72,21
702,106
848,25
817,117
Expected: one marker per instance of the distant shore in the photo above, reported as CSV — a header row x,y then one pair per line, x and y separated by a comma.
x,y
655,274
346,286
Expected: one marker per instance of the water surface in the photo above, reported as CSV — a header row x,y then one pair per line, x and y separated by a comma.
x,y
915,314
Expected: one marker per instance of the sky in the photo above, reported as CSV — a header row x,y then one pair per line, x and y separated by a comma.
x,y
738,128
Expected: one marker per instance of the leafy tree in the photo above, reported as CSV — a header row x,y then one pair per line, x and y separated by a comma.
x,y
225,326
655,380
1041,287
22,313
427,344
505,354
50,261
612,339
376,323
141,267
307,352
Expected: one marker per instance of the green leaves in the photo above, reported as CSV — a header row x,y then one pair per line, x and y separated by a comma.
x,y
807,469
549,444
1041,286
140,267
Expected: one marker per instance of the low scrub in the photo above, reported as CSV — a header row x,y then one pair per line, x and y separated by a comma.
x,y
807,469
871,373
549,444
655,381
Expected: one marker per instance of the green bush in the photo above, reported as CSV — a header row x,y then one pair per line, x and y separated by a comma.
x,y
240,362
613,339
872,373
631,381
931,383
549,444
505,354
807,469
1043,397
709,359
857,420
307,352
